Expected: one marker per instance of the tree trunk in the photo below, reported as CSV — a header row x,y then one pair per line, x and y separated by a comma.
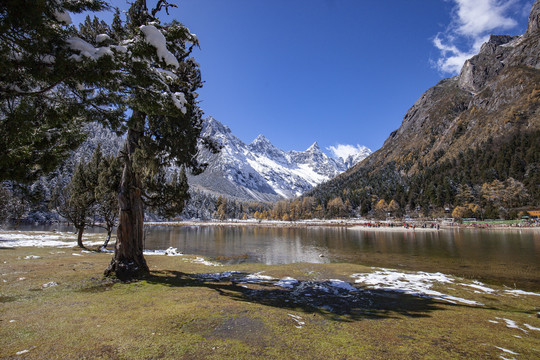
x,y
104,246
80,231
128,261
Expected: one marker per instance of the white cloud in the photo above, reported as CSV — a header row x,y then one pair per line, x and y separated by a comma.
x,y
344,151
476,17
472,22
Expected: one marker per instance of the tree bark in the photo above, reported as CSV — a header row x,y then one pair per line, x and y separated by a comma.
x,y
128,261
104,246
80,231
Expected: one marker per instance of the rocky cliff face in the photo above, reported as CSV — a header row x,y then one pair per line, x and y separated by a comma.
x,y
496,94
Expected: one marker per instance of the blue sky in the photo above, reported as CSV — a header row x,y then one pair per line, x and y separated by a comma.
x,y
332,71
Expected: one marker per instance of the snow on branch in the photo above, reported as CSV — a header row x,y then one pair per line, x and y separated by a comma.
x,y
179,100
155,38
63,17
86,49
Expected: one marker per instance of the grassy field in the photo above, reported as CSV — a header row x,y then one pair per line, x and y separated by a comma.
x,y
55,304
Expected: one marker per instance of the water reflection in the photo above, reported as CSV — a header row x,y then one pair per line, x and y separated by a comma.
x,y
263,245
507,256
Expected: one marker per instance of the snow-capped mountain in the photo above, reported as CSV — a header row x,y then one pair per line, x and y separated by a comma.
x,y
261,171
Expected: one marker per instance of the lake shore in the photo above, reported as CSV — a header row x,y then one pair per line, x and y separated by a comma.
x,y
353,224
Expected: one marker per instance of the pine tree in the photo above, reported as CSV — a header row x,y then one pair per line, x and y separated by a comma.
x,y
164,127
106,194
49,85
75,201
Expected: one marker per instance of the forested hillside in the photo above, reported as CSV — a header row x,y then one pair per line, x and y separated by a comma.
x,y
468,147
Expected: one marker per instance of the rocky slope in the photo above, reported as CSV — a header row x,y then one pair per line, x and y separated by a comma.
x,y
495,98
496,93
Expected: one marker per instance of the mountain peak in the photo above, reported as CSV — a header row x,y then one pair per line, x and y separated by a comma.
x,y
261,139
212,123
314,148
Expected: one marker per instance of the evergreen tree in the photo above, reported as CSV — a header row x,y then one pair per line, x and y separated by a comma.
x,y
75,201
106,194
50,82
159,83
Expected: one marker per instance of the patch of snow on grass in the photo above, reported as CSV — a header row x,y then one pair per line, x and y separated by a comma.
x,y
480,286
200,260
22,352
226,275
169,252
507,351
521,292
287,282
40,239
259,277
342,285
32,257
416,284
49,284
298,319
531,327
512,324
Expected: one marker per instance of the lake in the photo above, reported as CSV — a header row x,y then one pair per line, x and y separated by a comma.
x,y
507,257
502,257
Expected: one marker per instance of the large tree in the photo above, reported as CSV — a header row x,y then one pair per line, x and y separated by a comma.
x,y
54,77
160,82
49,85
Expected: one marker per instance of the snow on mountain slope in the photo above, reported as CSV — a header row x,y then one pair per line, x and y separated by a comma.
x,y
260,171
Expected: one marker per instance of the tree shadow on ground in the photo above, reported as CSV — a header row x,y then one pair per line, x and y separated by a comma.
x,y
337,300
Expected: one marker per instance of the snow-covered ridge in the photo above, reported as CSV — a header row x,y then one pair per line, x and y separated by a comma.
x,y
261,171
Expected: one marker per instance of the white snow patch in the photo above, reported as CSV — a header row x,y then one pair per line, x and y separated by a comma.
x,y
179,100
259,277
86,49
77,254
298,319
480,286
173,252
218,276
63,17
200,260
22,352
512,324
287,282
102,38
120,48
168,252
342,285
39,239
417,284
507,351
155,38
530,327
521,292
50,284
28,257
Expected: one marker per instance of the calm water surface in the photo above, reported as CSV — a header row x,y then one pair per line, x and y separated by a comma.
x,y
510,257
